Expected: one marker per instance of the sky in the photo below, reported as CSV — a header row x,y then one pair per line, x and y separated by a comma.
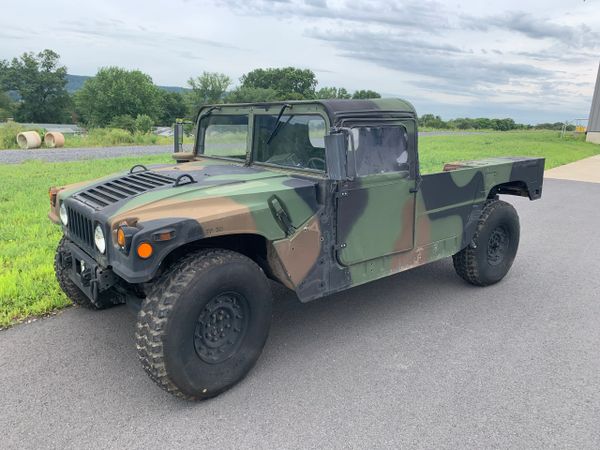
x,y
534,61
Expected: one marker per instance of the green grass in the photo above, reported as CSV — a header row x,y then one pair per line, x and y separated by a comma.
x,y
28,239
435,151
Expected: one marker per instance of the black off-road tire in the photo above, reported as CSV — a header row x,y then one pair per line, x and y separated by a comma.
x,y
206,292
73,293
488,258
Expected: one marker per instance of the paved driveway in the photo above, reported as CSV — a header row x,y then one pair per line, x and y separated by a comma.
x,y
420,359
587,169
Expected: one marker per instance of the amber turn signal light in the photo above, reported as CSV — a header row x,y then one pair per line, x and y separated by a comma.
x,y
121,238
145,250
52,194
165,235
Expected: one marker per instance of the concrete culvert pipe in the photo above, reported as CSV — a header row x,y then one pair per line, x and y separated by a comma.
x,y
29,139
54,139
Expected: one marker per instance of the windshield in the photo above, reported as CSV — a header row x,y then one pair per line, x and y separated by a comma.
x,y
224,136
298,140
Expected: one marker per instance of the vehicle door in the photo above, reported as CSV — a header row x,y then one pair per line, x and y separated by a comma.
x,y
376,207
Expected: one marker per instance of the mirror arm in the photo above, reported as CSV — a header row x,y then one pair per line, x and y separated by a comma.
x,y
350,155
178,136
336,154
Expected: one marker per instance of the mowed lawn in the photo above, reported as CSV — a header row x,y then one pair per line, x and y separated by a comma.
x,y
28,239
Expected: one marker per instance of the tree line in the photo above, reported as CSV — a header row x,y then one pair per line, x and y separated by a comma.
x,y
128,99
116,97
483,123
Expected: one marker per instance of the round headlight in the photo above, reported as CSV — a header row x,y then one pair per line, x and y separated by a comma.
x,y
64,217
99,239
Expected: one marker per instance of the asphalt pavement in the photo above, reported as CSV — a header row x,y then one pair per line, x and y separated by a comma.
x,y
417,360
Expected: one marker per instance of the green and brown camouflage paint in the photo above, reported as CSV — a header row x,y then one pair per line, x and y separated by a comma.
x,y
341,233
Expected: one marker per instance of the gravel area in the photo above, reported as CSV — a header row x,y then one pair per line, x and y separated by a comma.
x,y
74,154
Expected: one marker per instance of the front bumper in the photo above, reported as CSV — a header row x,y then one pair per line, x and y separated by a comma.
x,y
85,272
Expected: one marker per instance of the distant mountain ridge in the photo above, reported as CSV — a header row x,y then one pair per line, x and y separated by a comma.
x,y
75,82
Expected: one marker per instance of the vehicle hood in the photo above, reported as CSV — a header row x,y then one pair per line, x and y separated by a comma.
x,y
218,193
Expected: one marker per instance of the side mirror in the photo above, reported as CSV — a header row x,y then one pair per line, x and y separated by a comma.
x,y
178,137
336,147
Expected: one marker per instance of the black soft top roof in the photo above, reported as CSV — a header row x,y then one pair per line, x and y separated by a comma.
x,y
338,110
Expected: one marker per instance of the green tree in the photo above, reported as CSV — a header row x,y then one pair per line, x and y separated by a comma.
x,y
40,82
208,88
503,124
4,75
172,107
365,94
431,121
462,123
117,92
123,121
289,83
332,92
251,95
7,106
483,123
143,123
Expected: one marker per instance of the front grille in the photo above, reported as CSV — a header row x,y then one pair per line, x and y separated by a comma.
x,y
110,192
81,228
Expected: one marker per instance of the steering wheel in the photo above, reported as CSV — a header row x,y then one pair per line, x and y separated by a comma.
x,y
316,163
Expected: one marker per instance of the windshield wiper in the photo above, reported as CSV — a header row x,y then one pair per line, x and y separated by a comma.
x,y
279,125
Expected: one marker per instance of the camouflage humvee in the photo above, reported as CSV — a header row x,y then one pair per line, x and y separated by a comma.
x,y
319,196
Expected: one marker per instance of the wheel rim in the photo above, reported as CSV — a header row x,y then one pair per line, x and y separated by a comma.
x,y
221,327
498,245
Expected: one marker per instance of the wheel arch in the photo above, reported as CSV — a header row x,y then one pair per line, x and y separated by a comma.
x,y
518,187
255,246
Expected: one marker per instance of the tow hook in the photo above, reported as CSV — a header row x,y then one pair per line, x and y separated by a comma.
x,y
65,259
86,274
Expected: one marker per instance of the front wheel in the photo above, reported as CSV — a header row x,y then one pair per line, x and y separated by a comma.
x,y
494,246
204,323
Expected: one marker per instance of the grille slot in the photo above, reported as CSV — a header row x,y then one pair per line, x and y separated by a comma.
x,y
81,228
105,194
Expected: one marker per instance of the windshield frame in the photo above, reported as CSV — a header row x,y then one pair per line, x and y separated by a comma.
x,y
254,110
292,111
201,134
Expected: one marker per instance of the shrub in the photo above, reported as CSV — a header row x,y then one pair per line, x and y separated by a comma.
x,y
124,122
109,136
145,139
143,123
8,134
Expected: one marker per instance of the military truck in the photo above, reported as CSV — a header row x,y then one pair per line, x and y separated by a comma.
x,y
320,196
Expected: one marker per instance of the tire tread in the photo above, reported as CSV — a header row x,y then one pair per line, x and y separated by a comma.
x,y
465,262
156,308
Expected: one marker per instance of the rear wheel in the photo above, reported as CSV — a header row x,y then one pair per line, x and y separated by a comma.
x,y
204,323
494,246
